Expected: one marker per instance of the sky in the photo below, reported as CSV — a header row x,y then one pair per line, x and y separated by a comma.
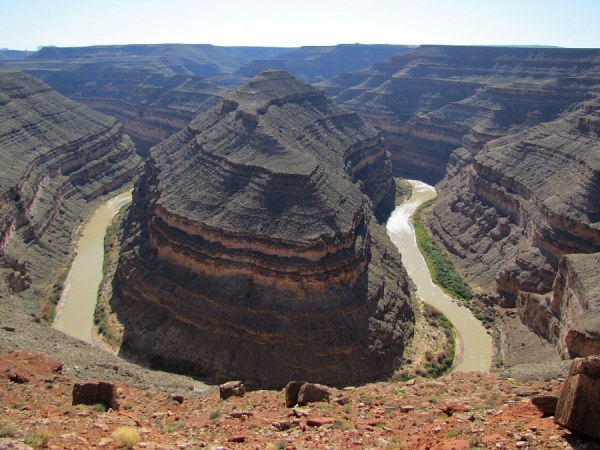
x,y
29,24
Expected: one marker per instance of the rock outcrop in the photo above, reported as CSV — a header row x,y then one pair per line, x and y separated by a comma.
x,y
520,206
252,251
438,98
57,157
569,317
577,407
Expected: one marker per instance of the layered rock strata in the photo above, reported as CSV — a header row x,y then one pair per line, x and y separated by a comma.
x,y
519,207
150,104
57,156
252,251
438,98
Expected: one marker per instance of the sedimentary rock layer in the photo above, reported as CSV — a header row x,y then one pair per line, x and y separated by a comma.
x,y
522,205
252,250
57,155
439,98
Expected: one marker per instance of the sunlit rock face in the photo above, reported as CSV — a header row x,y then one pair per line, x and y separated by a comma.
x,y
436,99
252,250
56,157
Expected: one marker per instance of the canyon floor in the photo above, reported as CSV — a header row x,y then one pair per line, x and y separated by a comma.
x,y
458,411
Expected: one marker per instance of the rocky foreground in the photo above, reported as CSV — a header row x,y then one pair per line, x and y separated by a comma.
x,y
461,411
252,249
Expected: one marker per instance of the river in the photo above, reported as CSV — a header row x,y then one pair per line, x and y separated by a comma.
x,y
475,344
75,311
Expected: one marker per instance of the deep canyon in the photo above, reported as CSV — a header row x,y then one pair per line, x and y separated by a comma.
x,y
510,137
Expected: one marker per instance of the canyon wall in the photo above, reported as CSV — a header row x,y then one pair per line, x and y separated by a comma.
x,y
57,157
155,90
438,98
252,251
511,137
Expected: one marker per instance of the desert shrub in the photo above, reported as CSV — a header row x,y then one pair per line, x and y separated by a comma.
x,y
7,429
38,438
127,437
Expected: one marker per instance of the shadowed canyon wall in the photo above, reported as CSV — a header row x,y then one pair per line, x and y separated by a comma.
x,y
252,251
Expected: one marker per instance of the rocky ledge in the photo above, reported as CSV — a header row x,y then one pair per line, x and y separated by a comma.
x,y
57,157
252,250
523,218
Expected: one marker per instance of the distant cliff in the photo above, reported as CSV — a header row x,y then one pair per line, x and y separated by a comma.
x,y
57,155
155,90
438,98
251,252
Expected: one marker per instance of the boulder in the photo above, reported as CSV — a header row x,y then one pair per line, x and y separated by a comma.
x,y
312,392
232,388
577,407
93,392
292,389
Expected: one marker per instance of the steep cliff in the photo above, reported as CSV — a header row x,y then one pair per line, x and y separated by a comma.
x,y
518,208
252,253
57,156
438,98
151,103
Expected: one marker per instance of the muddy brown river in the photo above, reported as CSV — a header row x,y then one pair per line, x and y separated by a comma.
x,y
475,344
75,312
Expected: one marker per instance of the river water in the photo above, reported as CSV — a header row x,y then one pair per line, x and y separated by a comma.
x,y
75,312
475,344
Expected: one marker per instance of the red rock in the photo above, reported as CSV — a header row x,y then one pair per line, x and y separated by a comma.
x,y
232,388
292,389
452,408
237,439
240,414
17,376
577,407
341,400
318,421
545,403
90,393
312,392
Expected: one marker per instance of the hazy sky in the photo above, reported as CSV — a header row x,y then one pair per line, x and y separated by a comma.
x,y
27,24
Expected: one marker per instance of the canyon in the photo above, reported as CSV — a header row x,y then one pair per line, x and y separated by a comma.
x,y
155,90
508,135
252,250
58,156
511,137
